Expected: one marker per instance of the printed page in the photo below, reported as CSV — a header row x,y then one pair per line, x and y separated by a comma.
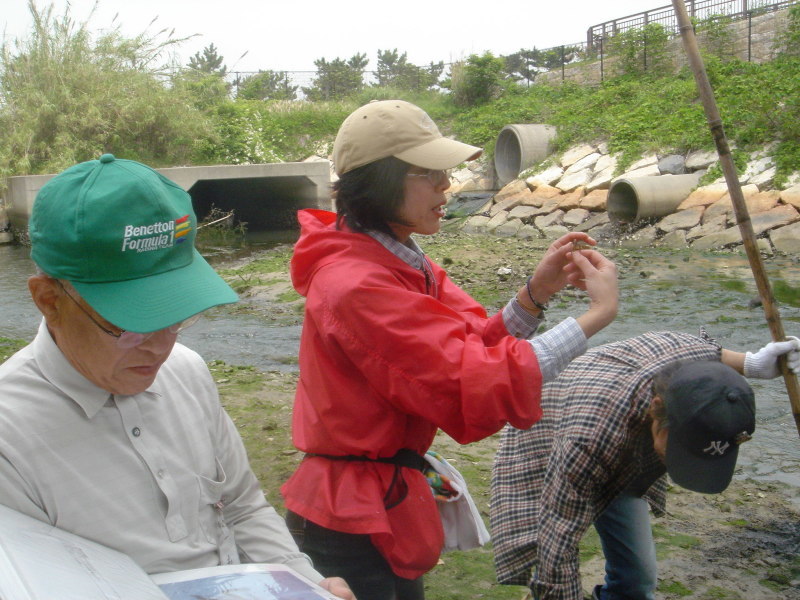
x,y
240,582
41,562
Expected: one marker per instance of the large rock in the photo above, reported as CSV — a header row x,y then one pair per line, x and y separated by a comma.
x,y
547,177
684,219
576,216
509,202
573,155
572,199
674,239
546,192
725,238
786,239
548,206
527,198
701,159
725,205
528,232
596,220
704,196
510,189
716,225
574,180
601,180
476,224
496,220
645,161
777,217
791,196
641,239
764,178
545,221
605,161
763,201
672,164
587,162
554,232
509,228
472,203
523,212
595,200
755,167
646,171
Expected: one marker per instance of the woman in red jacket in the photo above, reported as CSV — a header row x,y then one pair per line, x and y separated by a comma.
x,y
392,350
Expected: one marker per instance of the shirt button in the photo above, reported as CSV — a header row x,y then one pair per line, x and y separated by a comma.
x,y
160,473
136,432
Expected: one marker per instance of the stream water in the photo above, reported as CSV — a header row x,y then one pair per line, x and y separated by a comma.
x,y
659,291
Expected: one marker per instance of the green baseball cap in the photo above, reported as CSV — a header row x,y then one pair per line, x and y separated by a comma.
x,y
123,235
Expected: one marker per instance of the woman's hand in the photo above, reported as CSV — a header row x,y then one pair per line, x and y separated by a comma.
x,y
338,587
554,270
597,275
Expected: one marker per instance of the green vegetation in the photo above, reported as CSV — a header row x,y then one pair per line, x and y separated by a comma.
x,y
785,293
68,94
674,587
9,346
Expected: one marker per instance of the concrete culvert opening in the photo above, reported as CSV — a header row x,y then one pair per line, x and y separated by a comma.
x,y
622,203
519,147
635,198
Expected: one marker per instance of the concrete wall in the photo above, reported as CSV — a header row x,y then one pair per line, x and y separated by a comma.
x,y
264,196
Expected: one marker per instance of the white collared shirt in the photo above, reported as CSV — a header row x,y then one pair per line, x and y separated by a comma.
x,y
161,475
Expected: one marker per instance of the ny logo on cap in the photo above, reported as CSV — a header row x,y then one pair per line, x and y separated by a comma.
x,y
717,448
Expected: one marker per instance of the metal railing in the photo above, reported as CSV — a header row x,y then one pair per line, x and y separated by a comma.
x,y
697,9
596,53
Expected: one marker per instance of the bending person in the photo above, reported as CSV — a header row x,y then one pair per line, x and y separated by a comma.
x,y
616,421
392,350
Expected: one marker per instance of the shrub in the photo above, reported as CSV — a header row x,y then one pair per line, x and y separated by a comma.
x,y
67,98
477,81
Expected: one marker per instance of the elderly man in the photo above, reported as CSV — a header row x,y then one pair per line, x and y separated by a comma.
x,y
108,428
616,421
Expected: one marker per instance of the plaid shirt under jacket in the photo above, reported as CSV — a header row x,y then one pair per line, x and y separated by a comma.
x,y
551,481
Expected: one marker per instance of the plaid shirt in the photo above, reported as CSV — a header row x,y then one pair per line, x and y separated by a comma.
x,y
550,482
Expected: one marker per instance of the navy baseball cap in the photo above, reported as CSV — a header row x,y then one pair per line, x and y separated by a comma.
x,y
710,411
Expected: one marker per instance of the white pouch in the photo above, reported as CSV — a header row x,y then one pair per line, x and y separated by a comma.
x,y
462,523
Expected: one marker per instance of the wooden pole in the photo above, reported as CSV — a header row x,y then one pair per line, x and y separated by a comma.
x,y
739,205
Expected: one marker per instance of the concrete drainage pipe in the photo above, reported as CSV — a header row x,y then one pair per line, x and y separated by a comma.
x,y
519,147
635,198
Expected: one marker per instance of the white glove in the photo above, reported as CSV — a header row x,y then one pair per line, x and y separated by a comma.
x,y
764,363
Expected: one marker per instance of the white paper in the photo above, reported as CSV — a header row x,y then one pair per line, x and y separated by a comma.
x,y
240,582
41,562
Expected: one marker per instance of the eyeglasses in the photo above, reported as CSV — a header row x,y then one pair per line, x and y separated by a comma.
x,y
129,339
436,178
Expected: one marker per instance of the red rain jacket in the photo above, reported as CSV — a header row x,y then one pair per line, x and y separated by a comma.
x,y
383,365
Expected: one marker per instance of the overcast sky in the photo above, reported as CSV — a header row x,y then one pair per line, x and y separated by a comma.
x,y
288,35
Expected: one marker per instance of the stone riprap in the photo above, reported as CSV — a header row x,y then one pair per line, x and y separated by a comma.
x,y
571,193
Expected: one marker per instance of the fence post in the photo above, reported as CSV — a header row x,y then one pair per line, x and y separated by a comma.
x,y
644,48
749,35
602,57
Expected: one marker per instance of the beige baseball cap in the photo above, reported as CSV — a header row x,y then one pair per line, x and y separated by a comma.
x,y
396,128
